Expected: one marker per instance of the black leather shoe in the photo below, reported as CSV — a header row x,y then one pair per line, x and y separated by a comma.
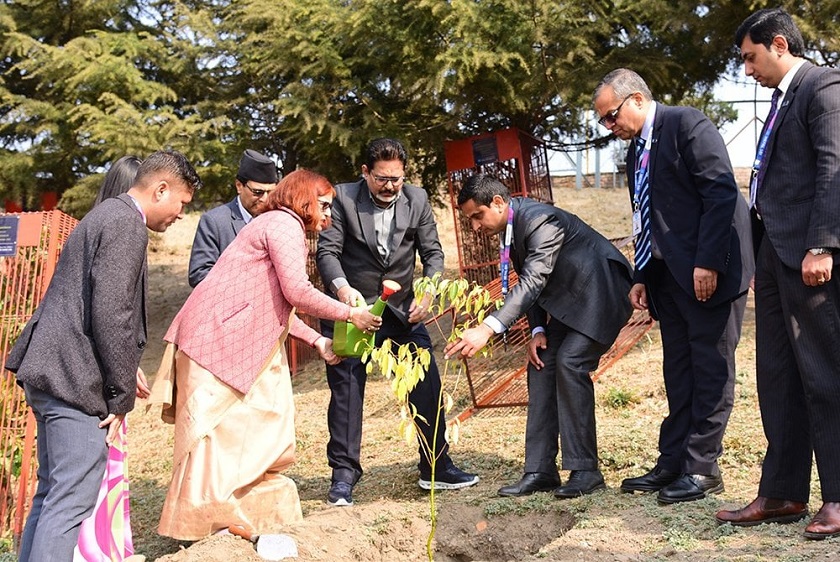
x,y
690,487
581,482
531,482
653,481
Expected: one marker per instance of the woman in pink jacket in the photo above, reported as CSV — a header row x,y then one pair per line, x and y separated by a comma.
x,y
225,367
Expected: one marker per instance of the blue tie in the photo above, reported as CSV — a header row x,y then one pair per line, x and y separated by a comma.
x,y
761,154
643,190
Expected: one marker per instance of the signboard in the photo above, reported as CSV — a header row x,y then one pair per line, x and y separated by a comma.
x,y
8,235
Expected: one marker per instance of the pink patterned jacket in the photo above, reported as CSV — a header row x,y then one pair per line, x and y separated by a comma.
x,y
234,317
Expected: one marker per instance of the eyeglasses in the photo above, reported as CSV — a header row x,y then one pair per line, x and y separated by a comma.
x,y
382,181
609,118
258,193
325,205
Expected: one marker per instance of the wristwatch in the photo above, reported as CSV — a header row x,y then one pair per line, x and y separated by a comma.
x,y
819,251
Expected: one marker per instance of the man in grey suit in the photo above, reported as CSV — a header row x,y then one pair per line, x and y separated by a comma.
x,y
796,221
256,178
77,358
379,227
693,265
573,284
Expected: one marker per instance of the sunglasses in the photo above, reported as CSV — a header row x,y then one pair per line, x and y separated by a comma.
x,y
608,120
258,193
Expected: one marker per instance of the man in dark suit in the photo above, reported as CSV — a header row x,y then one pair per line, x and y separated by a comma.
x,y
796,219
256,178
77,358
573,284
693,267
379,227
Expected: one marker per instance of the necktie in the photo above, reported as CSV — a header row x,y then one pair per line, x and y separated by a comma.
x,y
760,165
642,192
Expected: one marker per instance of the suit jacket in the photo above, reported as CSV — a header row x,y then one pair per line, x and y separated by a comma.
x,y
233,319
216,230
698,216
84,341
799,199
566,270
348,248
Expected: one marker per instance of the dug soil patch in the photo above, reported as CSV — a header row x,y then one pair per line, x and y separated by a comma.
x,y
465,534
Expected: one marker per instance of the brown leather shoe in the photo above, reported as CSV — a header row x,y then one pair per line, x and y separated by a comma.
x,y
826,523
765,510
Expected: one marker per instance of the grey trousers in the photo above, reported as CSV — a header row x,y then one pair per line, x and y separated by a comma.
x,y
72,455
561,403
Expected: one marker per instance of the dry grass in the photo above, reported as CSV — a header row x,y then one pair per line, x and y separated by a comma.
x,y
610,525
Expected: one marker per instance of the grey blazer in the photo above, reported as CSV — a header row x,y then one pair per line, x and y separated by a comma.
x,y
567,270
348,248
83,343
216,230
799,202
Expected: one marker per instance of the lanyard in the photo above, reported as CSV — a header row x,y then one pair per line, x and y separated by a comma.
x,y
762,145
641,169
504,253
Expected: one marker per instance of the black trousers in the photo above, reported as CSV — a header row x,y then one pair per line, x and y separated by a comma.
x,y
561,402
798,378
347,395
698,347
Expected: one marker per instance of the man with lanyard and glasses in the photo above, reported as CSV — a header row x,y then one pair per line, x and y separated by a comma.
x,y
693,265
256,178
573,285
380,225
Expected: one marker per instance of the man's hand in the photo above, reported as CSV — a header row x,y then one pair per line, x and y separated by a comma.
x,y
537,342
349,295
705,283
113,422
470,343
638,296
418,312
816,270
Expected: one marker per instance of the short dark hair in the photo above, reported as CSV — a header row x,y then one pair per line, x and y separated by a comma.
x,y
172,162
384,150
481,188
762,26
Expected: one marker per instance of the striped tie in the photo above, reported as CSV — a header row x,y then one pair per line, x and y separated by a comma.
x,y
643,189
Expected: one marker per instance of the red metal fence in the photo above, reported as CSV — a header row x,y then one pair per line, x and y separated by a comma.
x,y
23,282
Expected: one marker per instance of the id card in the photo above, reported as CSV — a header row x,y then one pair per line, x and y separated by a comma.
x,y
637,223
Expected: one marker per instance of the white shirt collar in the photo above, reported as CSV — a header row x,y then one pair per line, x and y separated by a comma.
x,y
784,85
647,128
246,216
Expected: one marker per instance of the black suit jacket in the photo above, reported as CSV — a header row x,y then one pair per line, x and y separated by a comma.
x,y
698,216
799,199
348,248
84,341
216,230
566,270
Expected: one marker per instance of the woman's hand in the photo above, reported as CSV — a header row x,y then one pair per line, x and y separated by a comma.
x,y
143,390
113,422
325,350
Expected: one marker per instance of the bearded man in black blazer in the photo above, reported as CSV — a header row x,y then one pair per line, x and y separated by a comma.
x,y
796,220
694,278
573,285
77,358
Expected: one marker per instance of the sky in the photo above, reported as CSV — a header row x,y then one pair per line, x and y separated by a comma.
x,y
751,101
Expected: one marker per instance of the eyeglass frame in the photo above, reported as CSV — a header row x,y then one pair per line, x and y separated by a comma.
x,y
382,181
612,116
325,205
258,193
